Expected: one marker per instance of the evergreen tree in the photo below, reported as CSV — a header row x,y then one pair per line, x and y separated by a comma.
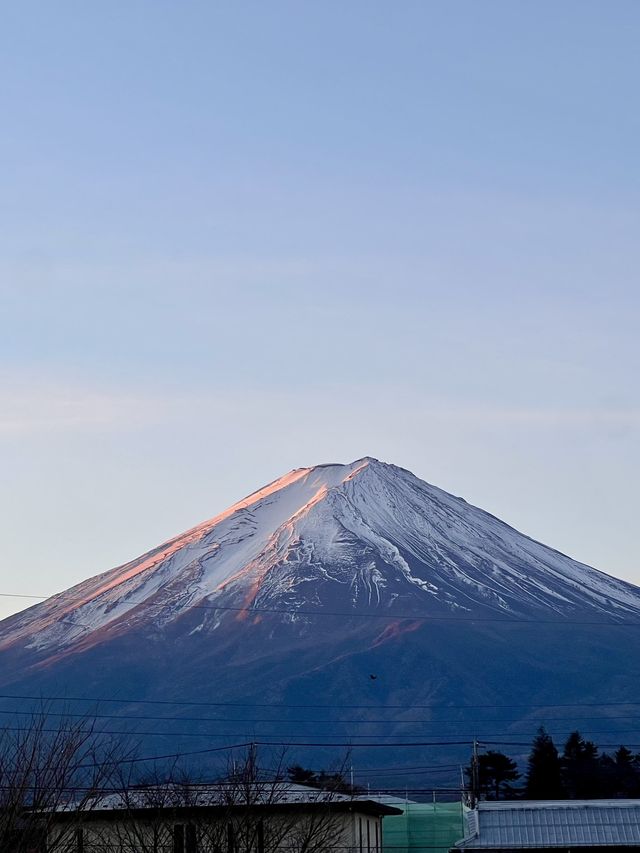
x,y
301,775
495,771
544,777
608,776
581,768
335,781
626,776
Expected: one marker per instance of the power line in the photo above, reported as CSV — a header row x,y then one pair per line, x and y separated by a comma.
x,y
400,771
345,745
289,735
364,722
179,754
356,615
143,758
22,595
307,744
347,735
211,704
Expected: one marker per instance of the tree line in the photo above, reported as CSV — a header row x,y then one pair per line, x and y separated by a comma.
x,y
579,772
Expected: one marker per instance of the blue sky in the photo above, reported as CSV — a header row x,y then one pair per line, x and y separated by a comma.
x,y
241,238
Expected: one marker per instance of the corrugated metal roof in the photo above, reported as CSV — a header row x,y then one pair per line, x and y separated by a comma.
x,y
574,823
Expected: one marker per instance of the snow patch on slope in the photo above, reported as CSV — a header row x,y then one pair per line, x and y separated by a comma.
x,y
365,534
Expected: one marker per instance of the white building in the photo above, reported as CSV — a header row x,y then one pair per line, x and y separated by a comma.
x,y
254,818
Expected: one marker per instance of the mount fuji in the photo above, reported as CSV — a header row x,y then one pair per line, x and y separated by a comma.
x,y
341,603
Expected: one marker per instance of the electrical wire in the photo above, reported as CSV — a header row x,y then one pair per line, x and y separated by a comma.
x,y
429,617
349,736
364,722
211,704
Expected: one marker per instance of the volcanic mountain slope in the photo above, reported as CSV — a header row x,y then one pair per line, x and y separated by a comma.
x,y
323,578
361,536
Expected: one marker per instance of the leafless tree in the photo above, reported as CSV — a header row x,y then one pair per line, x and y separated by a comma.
x,y
48,762
259,814
246,810
142,810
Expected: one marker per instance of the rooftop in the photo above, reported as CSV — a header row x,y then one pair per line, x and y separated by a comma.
x,y
552,823
217,796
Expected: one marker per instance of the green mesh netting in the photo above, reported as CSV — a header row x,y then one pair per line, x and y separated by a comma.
x,y
428,827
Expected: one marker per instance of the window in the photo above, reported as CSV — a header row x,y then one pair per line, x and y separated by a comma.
x,y
178,838
79,840
368,836
377,835
360,832
191,839
260,836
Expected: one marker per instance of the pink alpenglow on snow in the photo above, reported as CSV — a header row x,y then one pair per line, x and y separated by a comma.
x,y
333,538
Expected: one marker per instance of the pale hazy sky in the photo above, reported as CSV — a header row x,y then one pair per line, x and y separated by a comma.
x,y
242,237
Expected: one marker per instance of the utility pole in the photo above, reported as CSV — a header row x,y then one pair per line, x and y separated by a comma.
x,y
252,764
475,774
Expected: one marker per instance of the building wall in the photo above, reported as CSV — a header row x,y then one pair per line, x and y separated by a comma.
x,y
284,833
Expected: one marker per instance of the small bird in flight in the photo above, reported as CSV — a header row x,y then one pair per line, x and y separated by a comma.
x,y
373,677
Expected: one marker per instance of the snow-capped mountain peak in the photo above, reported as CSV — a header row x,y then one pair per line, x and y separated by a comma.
x,y
334,538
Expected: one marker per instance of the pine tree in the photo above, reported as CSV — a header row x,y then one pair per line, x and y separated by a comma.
x,y
543,779
495,771
301,775
626,776
581,772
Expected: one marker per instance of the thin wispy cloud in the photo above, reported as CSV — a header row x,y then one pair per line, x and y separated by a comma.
x,y
40,406
46,408
544,417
